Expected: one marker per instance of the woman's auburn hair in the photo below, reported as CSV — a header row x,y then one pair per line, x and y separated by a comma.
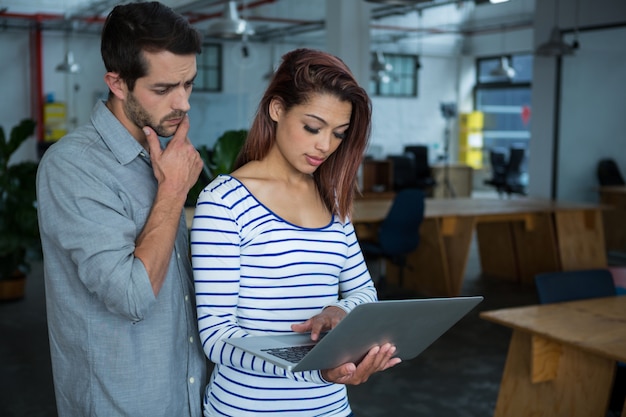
x,y
302,74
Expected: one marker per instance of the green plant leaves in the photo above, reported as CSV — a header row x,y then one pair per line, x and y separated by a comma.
x,y
19,230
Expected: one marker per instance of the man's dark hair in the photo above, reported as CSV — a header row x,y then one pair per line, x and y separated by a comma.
x,y
133,28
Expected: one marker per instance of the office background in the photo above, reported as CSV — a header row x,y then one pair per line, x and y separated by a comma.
x,y
576,104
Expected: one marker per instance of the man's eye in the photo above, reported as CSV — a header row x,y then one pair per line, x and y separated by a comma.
x,y
310,129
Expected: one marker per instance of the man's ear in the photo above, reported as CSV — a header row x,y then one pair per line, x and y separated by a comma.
x,y
116,84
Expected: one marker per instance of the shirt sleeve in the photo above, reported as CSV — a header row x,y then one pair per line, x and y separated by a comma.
x,y
84,216
355,282
215,250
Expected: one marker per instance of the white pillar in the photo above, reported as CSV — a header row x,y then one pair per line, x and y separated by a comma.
x,y
348,35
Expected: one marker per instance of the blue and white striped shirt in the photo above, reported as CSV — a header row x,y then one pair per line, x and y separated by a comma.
x,y
256,273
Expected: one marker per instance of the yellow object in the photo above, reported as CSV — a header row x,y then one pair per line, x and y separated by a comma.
x,y
54,121
471,139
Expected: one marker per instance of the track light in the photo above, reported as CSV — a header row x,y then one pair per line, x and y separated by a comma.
x,y
230,26
381,69
503,70
68,65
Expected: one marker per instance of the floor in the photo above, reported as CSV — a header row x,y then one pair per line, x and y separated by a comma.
x,y
457,376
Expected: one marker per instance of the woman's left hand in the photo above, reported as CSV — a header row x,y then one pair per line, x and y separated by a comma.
x,y
377,359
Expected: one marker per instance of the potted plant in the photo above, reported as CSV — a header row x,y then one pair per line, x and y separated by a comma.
x,y
218,160
19,230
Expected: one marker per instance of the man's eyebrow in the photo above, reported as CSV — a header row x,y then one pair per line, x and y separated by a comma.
x,y
160,85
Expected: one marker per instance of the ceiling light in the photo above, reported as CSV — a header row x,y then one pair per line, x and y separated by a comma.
x,y
503,70
381,69
555,45
230,26
68,65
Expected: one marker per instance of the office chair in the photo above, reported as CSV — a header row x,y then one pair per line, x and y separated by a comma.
x,y
424,176
403,172
507,173
399,233
609,173
554,287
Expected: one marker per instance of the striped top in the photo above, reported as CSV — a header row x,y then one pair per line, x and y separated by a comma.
x,y
256,273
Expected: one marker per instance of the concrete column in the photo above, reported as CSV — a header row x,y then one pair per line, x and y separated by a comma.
x,y
348,35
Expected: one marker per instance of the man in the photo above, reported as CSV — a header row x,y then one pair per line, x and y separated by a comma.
x,y
119,289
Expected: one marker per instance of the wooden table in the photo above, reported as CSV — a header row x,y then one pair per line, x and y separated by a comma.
x,y
460,177
615,218
562,356
517,239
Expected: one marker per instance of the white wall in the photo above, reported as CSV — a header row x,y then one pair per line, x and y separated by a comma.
x,y
591,121
591,105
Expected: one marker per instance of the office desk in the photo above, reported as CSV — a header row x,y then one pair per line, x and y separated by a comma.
x,y
561,359
615,218
517,238
460,177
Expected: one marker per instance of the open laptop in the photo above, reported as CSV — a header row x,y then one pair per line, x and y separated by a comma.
x,y
411,325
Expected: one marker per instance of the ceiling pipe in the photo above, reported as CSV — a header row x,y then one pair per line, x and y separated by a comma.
x,y
194,17
298,26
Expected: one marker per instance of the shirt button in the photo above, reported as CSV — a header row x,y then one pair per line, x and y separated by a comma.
x,y
178,255
191,339
186,298
192,380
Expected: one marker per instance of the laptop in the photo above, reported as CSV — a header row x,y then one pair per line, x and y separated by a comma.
x,y
411,325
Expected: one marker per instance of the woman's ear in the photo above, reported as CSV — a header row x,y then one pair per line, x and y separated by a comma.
x,y
275,110
116,84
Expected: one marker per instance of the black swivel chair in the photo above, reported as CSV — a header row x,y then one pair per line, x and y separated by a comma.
x,y
609,173
399,233
507,172
424,176
555,287
403,171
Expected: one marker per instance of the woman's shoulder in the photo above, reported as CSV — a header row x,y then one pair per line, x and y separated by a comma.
x,y
224,188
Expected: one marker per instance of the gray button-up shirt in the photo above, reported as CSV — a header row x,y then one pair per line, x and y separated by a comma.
x,y
117,350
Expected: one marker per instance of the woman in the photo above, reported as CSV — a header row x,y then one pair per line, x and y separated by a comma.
x,y
273,249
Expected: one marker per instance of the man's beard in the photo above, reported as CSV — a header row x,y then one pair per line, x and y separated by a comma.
x,y
140,117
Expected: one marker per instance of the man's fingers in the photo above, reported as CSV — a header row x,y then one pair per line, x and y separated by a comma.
x,y
153,140
182,129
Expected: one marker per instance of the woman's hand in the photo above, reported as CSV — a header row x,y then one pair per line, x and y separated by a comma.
x,y
326,320
377,359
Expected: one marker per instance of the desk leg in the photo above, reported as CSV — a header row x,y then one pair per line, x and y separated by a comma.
x,y
437,267
496,248
613,220
581,239
518,250
535,247
580,388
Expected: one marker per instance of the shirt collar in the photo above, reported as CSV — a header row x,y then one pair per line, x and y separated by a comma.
x,y
116,137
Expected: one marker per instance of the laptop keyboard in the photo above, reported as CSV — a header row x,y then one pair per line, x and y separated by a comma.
x,y
292,354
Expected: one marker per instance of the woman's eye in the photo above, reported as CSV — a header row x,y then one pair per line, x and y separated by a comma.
x,y
310,129
341,135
